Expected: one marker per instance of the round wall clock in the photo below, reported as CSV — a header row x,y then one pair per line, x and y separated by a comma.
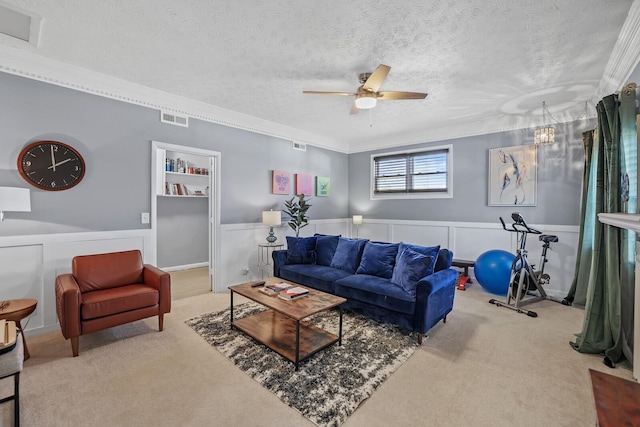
x,y
51,165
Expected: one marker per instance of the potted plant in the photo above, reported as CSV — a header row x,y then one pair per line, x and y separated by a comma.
x,y
296,210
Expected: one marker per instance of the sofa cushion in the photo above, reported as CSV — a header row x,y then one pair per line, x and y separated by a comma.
x,y
376,291
424,250
410,268
315,276
107,302
444,260
378,259
301,250
325,248
348,253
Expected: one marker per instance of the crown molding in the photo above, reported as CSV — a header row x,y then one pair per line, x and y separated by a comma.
x,y
624,57
36,67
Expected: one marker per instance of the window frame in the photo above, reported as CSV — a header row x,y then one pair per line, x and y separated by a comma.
x,y
413,195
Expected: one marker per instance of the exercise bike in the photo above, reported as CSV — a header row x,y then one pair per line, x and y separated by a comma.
x,y
526,285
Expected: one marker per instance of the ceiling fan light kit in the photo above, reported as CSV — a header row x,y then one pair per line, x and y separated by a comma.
x,y
366,101
368,94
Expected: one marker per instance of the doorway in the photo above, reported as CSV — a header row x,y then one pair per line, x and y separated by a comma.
x,y
185,208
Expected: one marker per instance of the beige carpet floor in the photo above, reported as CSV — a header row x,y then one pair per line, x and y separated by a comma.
x,y
486,366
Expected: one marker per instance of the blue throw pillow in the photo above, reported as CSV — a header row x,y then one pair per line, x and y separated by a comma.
x,y
411,266
301,250
424,250
378,259
348,253
325,248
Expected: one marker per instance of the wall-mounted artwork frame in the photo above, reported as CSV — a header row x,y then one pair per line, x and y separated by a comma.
x,y
513,176
281,182
323,186
304,184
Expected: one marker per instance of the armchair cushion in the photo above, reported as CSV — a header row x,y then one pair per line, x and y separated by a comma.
x,y
95,272
107,302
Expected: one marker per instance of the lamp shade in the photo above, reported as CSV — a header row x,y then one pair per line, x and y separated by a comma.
x,y
15,199
271,218
357,219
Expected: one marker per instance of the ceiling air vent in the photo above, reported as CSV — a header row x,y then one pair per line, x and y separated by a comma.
x,y
174,119
299,146
19,24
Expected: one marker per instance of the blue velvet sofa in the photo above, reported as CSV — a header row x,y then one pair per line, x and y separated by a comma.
x,y
407,285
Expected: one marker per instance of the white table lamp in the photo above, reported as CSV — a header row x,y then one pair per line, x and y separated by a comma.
x,y
14,199
271,218
357,220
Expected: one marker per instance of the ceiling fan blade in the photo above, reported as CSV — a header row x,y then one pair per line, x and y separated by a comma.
x,y
354,109
376,78
393,95
316,92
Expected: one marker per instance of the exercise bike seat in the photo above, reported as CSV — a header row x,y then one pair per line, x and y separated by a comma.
x,y
548,238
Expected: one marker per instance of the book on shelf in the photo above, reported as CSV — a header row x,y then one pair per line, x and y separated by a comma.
x,y
293,293
278,287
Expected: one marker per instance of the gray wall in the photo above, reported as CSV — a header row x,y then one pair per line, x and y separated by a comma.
x,y
560,169
115,140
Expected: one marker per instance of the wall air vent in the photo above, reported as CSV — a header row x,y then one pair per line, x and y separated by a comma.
x,y
19,24
174,119
299,146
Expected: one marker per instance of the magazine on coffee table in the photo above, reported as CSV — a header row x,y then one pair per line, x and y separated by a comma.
x,y
293,293
278,287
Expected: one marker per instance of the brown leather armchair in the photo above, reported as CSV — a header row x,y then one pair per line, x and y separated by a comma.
x,y
107,290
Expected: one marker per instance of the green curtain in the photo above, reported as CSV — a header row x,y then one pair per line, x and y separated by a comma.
x,y
604,270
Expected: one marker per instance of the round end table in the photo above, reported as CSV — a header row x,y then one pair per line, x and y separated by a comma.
x,y
16,310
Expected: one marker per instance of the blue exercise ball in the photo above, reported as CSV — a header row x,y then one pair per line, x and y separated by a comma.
x,y
493,271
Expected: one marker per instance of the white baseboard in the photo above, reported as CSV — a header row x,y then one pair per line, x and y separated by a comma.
x,y
186,266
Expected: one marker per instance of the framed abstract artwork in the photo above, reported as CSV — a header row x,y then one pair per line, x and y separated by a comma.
x,y
304,184
513,176
281,182
323,186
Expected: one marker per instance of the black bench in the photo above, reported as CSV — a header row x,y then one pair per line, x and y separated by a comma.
x,y
461,263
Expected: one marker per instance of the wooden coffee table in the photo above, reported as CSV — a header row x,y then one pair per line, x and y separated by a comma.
x,y
282,328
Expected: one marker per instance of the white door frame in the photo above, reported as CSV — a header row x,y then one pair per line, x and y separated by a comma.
x,y
157,169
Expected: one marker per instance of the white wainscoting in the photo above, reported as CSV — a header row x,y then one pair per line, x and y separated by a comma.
x,y
466,240
29,265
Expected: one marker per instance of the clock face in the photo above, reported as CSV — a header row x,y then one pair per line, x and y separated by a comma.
x,y
51,165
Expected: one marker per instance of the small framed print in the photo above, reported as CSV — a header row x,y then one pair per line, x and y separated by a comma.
x,y
281,182
304,184
323,186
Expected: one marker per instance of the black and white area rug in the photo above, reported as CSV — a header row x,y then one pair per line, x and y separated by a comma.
x,y
330,385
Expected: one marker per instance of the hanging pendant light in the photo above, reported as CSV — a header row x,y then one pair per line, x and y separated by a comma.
x,y
545,134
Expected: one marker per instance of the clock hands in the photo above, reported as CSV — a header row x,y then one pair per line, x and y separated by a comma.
x,y
53,160
53,166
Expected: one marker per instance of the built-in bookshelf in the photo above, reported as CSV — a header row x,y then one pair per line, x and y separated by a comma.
x,y
184,175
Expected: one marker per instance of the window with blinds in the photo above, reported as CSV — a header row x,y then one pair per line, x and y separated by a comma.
x,y
424,173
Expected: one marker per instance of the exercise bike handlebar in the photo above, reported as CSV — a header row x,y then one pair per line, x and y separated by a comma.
x,y
519,225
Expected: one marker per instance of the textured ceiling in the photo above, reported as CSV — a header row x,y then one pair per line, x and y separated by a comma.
x,y
486,64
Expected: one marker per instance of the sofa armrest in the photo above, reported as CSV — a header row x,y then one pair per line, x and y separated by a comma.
x,y
160,280
434,298
279,259
68,305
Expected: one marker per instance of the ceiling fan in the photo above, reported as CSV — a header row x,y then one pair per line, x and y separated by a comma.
x,y
368,95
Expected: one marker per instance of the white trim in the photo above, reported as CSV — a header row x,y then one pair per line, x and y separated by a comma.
x,y
404,196
186,266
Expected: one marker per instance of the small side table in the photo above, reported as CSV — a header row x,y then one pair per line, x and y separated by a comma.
x,y
265,251
16,310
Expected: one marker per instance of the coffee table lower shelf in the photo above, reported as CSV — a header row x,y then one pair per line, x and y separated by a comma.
x,y
278,332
